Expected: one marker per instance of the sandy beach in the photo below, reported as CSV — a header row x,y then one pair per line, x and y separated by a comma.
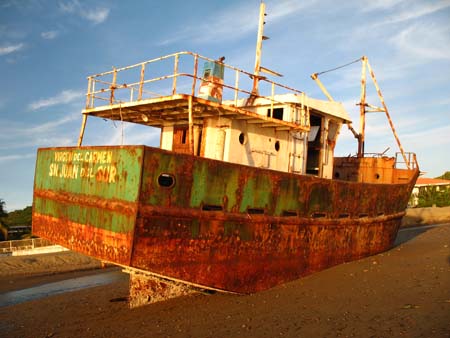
x,y
401,293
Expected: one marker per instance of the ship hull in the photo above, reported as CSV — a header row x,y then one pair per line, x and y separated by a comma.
x,y
209,223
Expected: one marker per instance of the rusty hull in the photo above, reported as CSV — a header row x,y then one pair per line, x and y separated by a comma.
x,y
215,224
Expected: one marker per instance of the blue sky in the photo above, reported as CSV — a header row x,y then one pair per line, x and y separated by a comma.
x,y
48,48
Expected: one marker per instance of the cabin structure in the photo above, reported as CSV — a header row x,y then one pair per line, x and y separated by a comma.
x,y
206,116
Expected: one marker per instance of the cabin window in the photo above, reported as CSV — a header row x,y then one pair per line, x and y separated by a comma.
x,y
277,113
277,145
242,138
166,180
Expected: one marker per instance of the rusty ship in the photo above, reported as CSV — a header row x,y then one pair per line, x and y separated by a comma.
x,y
244,192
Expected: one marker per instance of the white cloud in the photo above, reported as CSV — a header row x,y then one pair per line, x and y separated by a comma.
x,y
423,42
379,4
46,127
94,15
69,6
11,48
412,11
234,22
16,157
66,96
15,135
49,35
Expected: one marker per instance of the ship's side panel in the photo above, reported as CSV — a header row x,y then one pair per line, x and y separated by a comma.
x,y
86,199
246,229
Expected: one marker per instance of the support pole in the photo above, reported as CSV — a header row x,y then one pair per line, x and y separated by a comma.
x,y
113,86
83,127
88,95
194,80
191,126
175,75
141,82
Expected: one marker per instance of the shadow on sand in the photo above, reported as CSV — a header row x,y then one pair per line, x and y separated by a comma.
x,y
406,234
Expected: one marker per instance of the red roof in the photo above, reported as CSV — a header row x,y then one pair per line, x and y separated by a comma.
x,y
431,181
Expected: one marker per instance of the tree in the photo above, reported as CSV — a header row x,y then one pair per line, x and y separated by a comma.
x,y
3,226
445,176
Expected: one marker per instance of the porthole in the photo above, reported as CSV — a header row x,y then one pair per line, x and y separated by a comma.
x,y
377,176
277,145
166,180
242,138
337,174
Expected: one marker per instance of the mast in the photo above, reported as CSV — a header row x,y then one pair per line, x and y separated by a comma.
x,y
362,109
259,39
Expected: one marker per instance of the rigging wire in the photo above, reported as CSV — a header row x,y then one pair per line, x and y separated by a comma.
x,y
339,67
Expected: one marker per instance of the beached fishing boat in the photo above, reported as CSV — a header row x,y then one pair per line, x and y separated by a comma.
x,y
244,192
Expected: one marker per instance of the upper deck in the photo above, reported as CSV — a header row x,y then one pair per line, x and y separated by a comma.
x,y
165,91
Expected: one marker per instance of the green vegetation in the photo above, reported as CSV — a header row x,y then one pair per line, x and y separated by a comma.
x,y
13,218
20,217
433,195
445,176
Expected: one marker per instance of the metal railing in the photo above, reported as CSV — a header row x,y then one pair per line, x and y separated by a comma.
x,y
411,160
173,74
23,244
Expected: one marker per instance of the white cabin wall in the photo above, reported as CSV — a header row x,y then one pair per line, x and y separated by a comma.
x,y
214,138
258,148
166,138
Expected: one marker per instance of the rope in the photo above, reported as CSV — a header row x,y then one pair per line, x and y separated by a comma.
x,y
339,67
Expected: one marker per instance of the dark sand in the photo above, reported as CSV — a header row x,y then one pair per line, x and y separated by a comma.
x,y
404,292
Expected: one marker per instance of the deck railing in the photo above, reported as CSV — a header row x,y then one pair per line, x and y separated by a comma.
x,y
23,244
411,160
178,73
